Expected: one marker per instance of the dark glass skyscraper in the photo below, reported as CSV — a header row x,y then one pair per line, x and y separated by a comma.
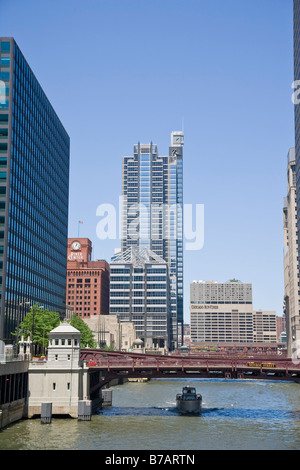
x,y
152,213
34,188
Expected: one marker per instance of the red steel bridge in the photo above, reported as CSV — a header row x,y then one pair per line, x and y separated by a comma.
x,y
105,366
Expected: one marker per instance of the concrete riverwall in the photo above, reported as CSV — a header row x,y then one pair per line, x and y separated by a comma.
x,y
13,391
12,412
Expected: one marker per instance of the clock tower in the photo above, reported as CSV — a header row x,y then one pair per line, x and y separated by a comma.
x,y
79,249
87,292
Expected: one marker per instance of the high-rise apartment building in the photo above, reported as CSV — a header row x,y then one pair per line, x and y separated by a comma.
x,y
223,313
34,187
291,296
139,293
152,213
87,290
264,326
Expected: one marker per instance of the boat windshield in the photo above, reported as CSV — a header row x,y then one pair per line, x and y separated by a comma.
x,y
189,391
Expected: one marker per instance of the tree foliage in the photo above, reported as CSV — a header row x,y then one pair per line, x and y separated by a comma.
x,y
38,322
87,338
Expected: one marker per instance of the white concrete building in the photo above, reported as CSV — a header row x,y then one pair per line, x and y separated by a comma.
x,y
223,313
61,380
109,331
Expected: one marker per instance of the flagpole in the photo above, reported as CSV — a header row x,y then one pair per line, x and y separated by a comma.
x,y
79,222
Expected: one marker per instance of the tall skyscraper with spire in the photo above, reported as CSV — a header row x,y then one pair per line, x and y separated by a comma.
x,y
152,213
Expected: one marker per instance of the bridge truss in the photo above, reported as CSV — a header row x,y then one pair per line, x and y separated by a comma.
x,y
105,366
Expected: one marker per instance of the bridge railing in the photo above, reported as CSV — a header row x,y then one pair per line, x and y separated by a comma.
x,y
184,363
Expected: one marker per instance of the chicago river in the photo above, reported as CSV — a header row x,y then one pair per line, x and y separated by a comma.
x,y
237,414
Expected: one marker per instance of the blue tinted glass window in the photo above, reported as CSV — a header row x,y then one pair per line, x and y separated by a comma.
x,y
5,61
4,104
5,46
4,75
3,118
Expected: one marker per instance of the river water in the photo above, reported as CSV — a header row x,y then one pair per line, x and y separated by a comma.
x,y
237,414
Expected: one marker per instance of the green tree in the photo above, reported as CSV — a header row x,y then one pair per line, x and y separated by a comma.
x,y
87,338
108,348
38,322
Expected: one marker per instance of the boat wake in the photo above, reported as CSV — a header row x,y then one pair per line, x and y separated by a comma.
x,y
212,413
147,411
137,411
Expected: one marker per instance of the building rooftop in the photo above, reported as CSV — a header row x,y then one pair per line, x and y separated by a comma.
x,y
137,257
65,327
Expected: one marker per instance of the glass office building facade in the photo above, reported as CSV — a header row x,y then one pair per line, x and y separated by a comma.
x,y
139,293
34,187
152,213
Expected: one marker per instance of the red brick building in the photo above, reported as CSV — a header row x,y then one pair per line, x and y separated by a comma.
x,y
87,290
280,326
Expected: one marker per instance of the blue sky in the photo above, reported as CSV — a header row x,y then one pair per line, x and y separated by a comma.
x,y
122,71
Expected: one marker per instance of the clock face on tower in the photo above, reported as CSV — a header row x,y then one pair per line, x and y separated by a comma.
x,y
75,245
177,139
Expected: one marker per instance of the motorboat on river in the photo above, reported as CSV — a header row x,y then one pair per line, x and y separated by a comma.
x,y
189,401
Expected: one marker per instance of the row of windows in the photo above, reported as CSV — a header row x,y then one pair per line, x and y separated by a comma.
x,y
62,342
84,273
137,301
